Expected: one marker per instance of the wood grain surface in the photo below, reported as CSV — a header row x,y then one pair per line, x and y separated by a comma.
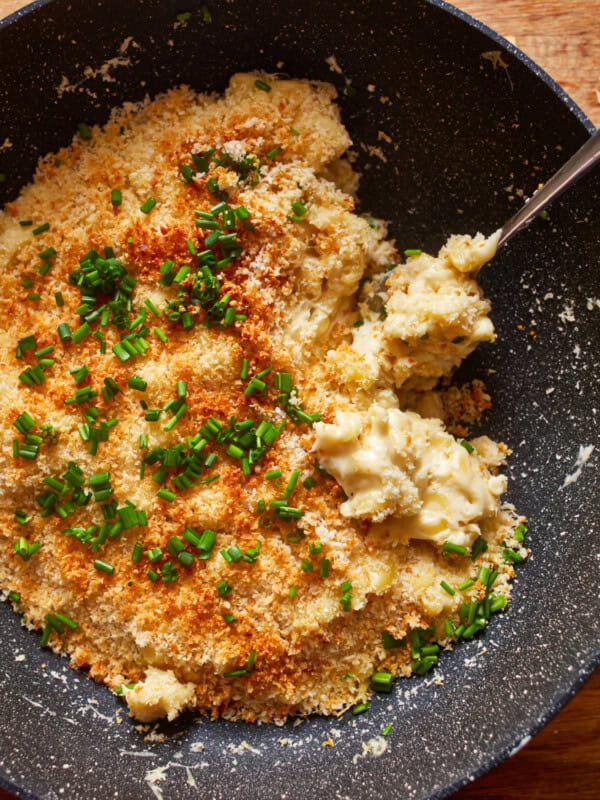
x,y
563,761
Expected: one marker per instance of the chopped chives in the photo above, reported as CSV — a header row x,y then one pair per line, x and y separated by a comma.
x,y
251,660
121,352
299,209
479,546
14,597
207,540
229,618
44,351
293,592
175,419
64,332
103,566
175,546
154,554
272,474
84,130
185,558
81,333
324,567
165,494
70,623
414,252
274,152
25,223
137,552
483,575
382,681
223,588
161,335
150,305
116,197
465,585
309,482
360,708
187,173
520,532
457,549
135,382
46,635
148,205
235,554
291,485
498,603
289,512
24,422
79,373
264,87
25,344
306,565
48,253
386,731
467,445
511,556
41,229
447,588
210,479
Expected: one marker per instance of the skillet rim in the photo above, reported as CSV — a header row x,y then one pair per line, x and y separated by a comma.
x,y
568,688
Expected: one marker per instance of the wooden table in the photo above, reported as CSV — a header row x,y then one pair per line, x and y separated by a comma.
x,y
563,761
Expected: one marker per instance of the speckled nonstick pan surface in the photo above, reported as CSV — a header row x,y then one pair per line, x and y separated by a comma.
x,y
466,136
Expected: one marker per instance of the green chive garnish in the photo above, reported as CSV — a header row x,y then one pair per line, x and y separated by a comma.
x,y
148,205
264,87
135,382
457,549
520,532
103,566
272,474
116,197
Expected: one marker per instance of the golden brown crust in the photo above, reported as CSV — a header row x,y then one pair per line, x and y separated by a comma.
x,y
295,281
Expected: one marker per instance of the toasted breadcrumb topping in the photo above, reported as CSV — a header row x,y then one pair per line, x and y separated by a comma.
x,y
287,612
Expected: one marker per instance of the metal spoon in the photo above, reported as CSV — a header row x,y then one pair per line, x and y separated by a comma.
x,y
583,160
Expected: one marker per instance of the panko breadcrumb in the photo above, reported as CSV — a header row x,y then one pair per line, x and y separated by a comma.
x,y
213,496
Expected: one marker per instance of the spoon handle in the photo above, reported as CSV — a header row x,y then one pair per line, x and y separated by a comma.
x,y
584,159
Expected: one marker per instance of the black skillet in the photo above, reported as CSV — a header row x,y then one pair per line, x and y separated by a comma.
x,y
472,122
